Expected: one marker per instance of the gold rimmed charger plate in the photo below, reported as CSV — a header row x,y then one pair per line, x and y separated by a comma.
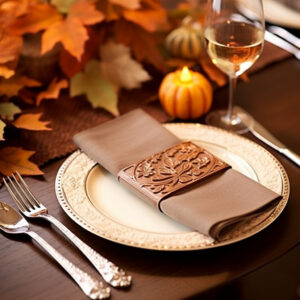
x,y
98,203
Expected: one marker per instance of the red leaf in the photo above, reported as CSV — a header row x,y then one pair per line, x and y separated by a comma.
x,y
143,43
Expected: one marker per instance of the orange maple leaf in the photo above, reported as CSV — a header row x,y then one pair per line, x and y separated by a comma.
x,y
85,12
13,85
53,90
15,8
129,4
39,17
14,159
10,47
143,43
31,122
151,17
70,65
71,31
6,72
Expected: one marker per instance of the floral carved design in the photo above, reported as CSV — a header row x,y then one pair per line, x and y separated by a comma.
x,y
168,171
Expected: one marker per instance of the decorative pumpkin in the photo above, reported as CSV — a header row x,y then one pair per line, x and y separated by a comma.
x,y
185,94
187,40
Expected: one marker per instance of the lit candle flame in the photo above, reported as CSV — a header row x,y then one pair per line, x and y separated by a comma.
x,y
185,75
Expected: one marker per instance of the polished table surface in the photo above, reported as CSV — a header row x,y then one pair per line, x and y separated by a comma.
x,y
26,272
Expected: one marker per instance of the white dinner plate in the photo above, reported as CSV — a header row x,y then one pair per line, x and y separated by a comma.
x,y
95,200
280,14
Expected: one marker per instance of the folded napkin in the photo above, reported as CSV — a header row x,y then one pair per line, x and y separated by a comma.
x,y
208,206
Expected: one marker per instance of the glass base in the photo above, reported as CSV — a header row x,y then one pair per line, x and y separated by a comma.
x,y
219,118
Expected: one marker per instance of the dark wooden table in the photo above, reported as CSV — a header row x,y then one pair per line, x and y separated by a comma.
x,y
273,97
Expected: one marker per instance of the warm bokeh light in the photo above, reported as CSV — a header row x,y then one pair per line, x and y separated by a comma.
x,y
185,75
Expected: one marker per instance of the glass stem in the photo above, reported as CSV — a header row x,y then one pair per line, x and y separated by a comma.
x,y
232,85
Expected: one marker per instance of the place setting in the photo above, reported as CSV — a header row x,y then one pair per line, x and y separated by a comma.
x,y
169,172
93,205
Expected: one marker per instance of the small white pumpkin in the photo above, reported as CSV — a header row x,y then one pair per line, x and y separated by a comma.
x,y
187,40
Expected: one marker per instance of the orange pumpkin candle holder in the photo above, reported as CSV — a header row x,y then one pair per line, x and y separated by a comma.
x,y
185,94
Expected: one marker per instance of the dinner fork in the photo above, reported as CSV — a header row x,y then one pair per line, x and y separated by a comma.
x,y
31,207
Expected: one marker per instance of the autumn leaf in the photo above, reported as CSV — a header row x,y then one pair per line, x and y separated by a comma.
x,y
53,90
31,122
213,72
98,90
14,159
118,67
2,125
129,4
14,8
62,6
110,11
6,72
10,47
39,17
8,110
71,31
195,9
70,65
13,85
85,12
150,18
142,43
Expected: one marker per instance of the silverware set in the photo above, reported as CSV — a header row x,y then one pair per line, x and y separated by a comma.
x,y
13,222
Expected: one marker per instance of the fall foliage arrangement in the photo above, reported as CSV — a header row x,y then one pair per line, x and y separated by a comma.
x,y
99,47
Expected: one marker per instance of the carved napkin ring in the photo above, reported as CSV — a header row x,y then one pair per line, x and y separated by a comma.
x,y
163,173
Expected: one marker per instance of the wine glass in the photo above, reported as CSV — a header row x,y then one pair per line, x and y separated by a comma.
x,y
234,33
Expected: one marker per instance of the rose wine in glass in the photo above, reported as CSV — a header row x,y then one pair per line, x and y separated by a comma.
x,y
234,33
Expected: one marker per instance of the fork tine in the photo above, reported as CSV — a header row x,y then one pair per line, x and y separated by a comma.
x,y
23,192
27,205
28,189
19,204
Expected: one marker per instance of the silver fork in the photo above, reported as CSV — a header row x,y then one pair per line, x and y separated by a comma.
x,y
31,207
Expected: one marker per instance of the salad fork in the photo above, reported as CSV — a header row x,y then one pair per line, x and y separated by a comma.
x,y
31,207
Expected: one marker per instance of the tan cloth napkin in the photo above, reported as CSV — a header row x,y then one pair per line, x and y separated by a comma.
x,y
208,206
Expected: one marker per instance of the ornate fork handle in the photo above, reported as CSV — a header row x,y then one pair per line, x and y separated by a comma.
x,y
90,286
109,271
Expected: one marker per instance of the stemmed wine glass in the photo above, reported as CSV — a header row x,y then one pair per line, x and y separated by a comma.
x,y
234,32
